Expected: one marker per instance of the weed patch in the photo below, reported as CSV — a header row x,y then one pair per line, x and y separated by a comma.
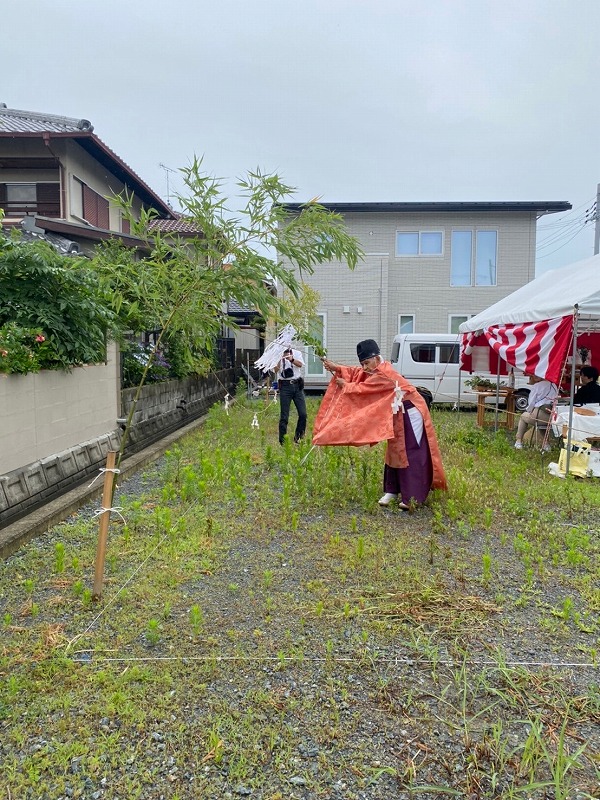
x,y
267,630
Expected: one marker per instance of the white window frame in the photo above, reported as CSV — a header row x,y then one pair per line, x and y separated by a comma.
x,y
453,316
76,197
419,254
400,315
485,230
473,265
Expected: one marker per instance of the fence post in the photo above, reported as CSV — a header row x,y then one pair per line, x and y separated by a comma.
x,y
107,493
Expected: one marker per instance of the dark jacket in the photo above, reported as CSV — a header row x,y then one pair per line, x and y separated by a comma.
x,y
590,393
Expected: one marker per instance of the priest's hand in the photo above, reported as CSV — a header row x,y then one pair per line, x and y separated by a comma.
x,y
340,382
330,365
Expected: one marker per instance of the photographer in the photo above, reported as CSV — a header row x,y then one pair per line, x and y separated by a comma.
x,y
291,389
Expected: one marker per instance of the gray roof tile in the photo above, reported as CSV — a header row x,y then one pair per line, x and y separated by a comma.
x,y
13,120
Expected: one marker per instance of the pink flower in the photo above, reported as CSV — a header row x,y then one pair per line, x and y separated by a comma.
x,y
40,338
3,353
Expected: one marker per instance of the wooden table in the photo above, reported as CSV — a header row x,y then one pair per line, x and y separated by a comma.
x,y
506,396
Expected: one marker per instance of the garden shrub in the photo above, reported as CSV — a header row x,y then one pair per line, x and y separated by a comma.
x,y
52,313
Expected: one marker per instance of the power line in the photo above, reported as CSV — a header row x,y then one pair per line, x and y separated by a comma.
x,y
565,244
591,201
556,236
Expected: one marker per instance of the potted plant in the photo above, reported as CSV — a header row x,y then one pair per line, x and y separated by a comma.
x,y
479,384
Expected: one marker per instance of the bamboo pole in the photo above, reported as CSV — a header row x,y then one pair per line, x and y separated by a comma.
x,y
107,493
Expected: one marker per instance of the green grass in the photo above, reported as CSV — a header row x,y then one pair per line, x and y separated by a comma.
x,y
266,625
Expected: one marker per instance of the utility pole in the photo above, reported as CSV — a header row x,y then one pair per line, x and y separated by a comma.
x,y
597,219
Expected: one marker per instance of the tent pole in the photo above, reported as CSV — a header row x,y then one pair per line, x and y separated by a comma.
x,y
572,390
497,397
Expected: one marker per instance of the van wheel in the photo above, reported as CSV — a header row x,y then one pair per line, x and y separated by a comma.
x,y
521,400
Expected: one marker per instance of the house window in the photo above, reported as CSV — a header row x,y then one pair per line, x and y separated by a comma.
x,y
318,331
473,258
460,258
419,243
21,196
89,205
406,323
455,320
22,199
485,258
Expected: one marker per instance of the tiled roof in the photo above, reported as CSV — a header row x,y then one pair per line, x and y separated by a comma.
x,y
17,121
233,307
28,123
175,226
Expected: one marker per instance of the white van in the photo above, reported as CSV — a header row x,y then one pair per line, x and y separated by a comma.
x,y
431,360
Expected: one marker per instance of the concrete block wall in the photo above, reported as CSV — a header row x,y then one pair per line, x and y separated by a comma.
x,y
51,411
29,487
182,397
159,412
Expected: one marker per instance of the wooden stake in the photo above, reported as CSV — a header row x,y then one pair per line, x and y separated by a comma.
x,y
107,494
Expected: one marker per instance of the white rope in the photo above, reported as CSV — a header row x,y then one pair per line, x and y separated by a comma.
x,y
129,579
347,660
117,509
273,352
105,469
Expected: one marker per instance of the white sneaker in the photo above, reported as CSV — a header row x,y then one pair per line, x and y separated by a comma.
x,y
518,445
546,449
387,498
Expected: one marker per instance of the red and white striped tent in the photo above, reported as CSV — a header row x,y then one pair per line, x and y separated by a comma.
x,y
536,328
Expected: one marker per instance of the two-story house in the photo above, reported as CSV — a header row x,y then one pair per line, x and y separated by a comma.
x,y
58,176
58,181
428,267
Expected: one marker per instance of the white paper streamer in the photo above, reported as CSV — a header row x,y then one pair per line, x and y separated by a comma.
x,y
397,404
274,352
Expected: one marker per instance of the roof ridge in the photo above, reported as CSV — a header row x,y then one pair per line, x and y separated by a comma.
x,y
81,124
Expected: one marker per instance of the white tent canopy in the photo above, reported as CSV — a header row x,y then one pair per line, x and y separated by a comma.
x,y
554,294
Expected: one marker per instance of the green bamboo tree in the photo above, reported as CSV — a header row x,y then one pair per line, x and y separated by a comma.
x,y
183,285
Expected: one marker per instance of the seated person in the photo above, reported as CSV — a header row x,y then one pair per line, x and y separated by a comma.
x,y
589,391
541,397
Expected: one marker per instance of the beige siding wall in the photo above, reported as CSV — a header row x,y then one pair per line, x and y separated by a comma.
x,y
48,412
385,285
75,162
80,165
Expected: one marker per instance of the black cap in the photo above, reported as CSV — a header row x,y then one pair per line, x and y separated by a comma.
x,y
367,349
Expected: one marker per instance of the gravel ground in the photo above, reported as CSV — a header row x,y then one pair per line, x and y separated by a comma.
x,y
346,653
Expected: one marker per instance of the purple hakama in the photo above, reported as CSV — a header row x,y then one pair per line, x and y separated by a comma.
x,y
412,482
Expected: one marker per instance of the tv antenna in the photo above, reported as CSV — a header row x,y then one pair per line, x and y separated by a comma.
x,y
167,170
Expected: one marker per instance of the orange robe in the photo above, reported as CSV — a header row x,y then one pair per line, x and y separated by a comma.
x,y
360,413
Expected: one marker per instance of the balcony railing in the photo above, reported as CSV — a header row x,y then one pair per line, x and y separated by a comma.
x,y
45,209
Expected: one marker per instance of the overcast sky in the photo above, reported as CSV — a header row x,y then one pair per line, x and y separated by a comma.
x,y
349,100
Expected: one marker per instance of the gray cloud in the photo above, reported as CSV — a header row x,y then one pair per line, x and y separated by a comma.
x,y
347,99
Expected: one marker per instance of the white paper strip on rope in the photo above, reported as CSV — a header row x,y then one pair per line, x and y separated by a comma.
x,y
274,351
